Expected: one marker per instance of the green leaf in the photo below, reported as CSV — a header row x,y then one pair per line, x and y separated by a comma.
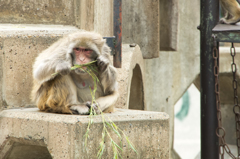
x,y
117,145
130,144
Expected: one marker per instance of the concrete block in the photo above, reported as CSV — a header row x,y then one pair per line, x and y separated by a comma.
x,y
39,12
61,136
91,15
131,79
141,25
96,15
168,25
103,17
19,46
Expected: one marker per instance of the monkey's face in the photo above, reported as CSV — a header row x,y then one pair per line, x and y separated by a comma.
x,y
83,55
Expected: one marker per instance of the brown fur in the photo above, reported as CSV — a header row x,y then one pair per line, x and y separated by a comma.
x,y
232,11
53,96
65,93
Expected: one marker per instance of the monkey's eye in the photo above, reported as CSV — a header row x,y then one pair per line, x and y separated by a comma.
x,y
78,49
87,50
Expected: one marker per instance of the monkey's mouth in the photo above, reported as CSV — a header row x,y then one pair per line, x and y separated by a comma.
x,y
81,70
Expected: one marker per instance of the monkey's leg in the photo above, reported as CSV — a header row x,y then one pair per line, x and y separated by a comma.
x,y
60,96
106,103
232,20
227,16
68,100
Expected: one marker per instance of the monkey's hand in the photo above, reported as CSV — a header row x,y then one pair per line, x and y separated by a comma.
x,y
94,106
222,21
80,109
84,109
102,63
63,68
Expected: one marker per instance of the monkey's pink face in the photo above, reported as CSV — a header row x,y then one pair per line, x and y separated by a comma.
x,y
82,55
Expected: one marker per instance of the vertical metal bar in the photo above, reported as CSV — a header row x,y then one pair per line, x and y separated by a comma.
x,y
209,140
117,57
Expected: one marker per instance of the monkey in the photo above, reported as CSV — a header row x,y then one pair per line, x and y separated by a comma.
x,y
69,91
232,12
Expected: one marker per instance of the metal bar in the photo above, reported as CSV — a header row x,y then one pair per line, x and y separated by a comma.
x,y
117,57
209,140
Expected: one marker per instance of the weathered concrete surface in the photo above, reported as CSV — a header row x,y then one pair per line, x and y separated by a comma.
x,y
170,75
141,25
91,15
168,25
131,79
19,45
226,91
103,17
96,15
63,135
42,12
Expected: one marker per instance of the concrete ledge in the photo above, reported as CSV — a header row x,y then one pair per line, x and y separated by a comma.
x,y
29,30
62,134
131,79
53,12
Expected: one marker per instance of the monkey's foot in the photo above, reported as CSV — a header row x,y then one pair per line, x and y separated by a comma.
x,y
94,106
222,21
80,109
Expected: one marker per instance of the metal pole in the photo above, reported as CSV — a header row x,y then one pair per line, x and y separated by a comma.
x,y
117,57
209,139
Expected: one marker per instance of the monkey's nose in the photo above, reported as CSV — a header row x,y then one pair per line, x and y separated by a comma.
x,y
82,59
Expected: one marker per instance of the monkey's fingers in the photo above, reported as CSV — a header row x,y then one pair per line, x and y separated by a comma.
x,y
94,107
80,109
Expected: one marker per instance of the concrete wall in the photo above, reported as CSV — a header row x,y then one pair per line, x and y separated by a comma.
x,y
141,25
38,12
85,14
169,76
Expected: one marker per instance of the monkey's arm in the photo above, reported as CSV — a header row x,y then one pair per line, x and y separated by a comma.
x,y
232,20
45,67
108,79
108,101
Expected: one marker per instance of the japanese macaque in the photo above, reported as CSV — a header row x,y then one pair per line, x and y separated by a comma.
x,y
69,91
232,11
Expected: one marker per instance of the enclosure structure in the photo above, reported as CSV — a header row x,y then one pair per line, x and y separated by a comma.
x,y
212,127
165,78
